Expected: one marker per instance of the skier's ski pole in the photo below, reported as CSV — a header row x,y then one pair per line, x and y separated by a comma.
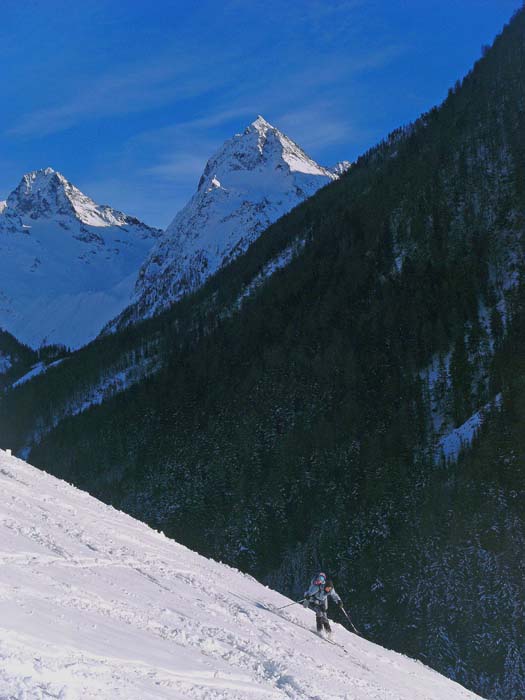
x,y
350,621
289,604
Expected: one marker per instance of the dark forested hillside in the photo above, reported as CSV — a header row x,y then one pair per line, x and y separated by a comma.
x,y
15,359
300,427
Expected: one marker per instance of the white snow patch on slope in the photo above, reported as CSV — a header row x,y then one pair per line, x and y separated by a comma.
x,y
94,604
284,258
450,445
5,363
35,371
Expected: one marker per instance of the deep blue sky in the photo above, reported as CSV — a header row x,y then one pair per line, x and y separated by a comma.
x,y
129,99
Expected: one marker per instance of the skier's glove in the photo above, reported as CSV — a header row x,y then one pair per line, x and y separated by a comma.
x,y
340,604
306,602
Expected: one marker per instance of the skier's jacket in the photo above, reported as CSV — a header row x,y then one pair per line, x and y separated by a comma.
x,y
318,597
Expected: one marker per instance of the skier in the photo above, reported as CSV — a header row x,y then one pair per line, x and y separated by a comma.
x,y
316,599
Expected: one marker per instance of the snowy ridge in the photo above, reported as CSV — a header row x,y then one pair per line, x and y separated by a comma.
x,y
95,604
253,180
67,264
46,193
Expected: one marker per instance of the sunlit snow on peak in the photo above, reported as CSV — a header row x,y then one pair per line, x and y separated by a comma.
x,y
46,193
261,123
255,177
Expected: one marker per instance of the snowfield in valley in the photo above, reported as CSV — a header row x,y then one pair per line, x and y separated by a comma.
x,y
94,604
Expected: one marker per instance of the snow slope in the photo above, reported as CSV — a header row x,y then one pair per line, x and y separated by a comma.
x,y
255,178
67,264
94,604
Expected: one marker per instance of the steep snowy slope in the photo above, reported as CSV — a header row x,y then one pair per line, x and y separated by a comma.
x,y
94,604
67,265
254,179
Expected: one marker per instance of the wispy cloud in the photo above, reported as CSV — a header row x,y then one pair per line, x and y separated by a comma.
x,y
319,120
203,123
127,90
318,125
183,148
183,164
302,103
194,95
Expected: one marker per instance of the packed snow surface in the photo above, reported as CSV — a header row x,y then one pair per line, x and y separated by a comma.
x,y
67,264
94,604
254,178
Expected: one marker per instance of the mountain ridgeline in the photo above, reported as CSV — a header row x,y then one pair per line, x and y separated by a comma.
x,y
296,422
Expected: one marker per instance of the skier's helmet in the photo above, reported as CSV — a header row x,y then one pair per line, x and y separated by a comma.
x,y
320,579
328,585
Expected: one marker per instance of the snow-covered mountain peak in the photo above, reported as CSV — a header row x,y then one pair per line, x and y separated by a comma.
x,y
260,147
46,193
261,124
262,130
67,264
272,142
95,604
40,193
253,179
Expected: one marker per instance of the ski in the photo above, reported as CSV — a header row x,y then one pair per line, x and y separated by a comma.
x,y
303,627
335,644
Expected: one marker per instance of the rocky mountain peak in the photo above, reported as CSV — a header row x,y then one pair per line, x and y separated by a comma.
x,y
41,193
260,124
260,147
253,179
47,194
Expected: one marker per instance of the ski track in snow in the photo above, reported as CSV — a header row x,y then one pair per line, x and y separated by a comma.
x,y
94,604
